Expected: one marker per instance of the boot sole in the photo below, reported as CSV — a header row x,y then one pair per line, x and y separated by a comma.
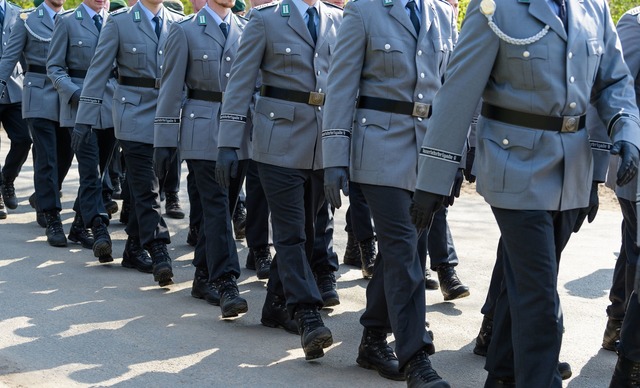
x,y
237,308
263,274
366,364
321,340
105,259
272,323
457,295
480,351
10,204
57,244
102,248
163,275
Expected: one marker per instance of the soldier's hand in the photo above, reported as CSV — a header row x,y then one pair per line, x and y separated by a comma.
x,y
423,206
79,136
335,179
162,159
455,190
629,160
471,155
590,211
75,97
226,166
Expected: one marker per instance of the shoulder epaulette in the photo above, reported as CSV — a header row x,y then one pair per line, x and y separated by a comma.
x,y
634,11
67,11
329,4
187,18
119,11
24,14
267,5
174,11
242,18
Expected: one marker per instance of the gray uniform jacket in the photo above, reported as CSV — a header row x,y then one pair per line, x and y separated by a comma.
x,y
277,43
380,55
73,44
198,57
13,91
30,41
629,32
128,38
519,167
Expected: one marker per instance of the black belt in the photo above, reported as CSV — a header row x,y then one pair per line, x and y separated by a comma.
x,y
531,120
36,69
139,82
205,95
75,73
416,109
311,98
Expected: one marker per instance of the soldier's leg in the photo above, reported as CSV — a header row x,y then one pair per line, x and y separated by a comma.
x,y
257,228
16,128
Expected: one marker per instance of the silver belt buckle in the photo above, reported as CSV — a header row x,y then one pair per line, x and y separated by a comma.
x,y
157,85
316,99
570,124
421,110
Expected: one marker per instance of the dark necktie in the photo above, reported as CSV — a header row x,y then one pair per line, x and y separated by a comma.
x,y
311,24
413,15
97,20
225,29
563,11
158,25
1,16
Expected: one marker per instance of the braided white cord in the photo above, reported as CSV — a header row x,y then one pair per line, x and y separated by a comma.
x,y
514,41
38,37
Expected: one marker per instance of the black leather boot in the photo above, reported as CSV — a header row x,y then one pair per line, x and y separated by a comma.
x,y
314,335
326,281
352,252
101,240
484,337
9,193
420,374
451,287
626,374
79,234
375,353
134,256
611,334
367,256
162,270
202,288
55,233
262,258
231,303
275,314
429,282
239,221
172,206
192,237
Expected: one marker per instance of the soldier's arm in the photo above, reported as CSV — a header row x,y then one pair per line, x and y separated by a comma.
x,y
239,91
57,61
12,53
167,121
342,88
98,74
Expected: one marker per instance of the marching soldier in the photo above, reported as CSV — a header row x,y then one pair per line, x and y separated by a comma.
x,y
30,41
202,49
393,54
536,66
288,45
73,44
135,38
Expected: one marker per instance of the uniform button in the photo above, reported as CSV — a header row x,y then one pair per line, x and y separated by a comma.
x,y
505,141
320,108
364,120
226,75
318,73
160,52
205,56
419,118
599,50
160,67
572,105
134,49
571,79
191,115
80,43
570,55
123,98
315,55
526,54
271,114
419,52
421,75
227,59
420,96
387,46
287,50
29,83
320,90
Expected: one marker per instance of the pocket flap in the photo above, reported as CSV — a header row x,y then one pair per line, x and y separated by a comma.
x,y
275,110
507,136
286,48
386,44
526,53
126,97
197,112
366,117
134,48
35,82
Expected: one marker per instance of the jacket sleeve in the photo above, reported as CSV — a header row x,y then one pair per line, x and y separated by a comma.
x,y
57,64
12,53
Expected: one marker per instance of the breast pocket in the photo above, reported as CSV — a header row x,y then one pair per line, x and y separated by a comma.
x,y
205,63
196,131
82,49
528,65
389,53
125,109
594,53
290,55
273,125
135,55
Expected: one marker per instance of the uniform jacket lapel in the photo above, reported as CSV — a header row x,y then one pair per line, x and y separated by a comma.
x,y
234,33
144,24
296,22
428,15
326,22
211,28
46,19
541,11
575,13
398,12
87,22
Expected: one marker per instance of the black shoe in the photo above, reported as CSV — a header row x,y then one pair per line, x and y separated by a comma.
x,y
124,213
251,261
262,258
626,374
368,256
117,189
565,370
611,334
55,233
9,194
231,303
450,285
240,221
135,257
375,353
314,336
326,281
202,288
101,240
420,374
78,234
429,282
162,271
192,237
3,211
172,206
109,204
352,252
33,200
275,314
484,337
41,219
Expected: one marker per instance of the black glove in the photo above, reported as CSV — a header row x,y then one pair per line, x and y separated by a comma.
x,y
75,97
455,190
590,211
80,135
162,159
629,159
471,155
335,178
423,206
226,166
